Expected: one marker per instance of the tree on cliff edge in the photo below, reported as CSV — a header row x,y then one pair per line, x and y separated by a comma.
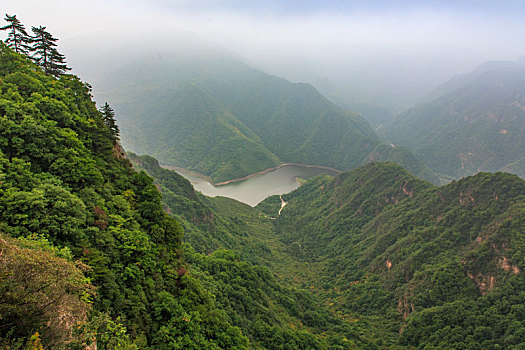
x,y
45,53
17,39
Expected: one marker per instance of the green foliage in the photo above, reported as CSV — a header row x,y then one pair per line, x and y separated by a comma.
x,y
42,46
493,321
270,206
108,115
45,52
35,343
50,210
65,188
430,262
100,330
17,39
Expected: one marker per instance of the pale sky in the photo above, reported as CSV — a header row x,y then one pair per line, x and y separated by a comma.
x,y
374,42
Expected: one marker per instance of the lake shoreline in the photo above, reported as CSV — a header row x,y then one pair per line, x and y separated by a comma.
x,y
184,170
207,178
255,188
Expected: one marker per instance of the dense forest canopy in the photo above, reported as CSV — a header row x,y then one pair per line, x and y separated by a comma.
x,y
436,267
69,196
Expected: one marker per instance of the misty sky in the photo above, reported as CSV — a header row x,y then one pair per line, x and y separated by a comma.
x,y
376,44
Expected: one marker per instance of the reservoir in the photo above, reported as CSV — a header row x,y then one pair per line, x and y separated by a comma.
x,y
256,188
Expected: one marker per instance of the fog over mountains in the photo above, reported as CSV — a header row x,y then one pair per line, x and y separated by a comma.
x,y
375,53
474,122
210,112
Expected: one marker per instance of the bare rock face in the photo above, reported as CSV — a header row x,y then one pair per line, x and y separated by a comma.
x,y
118,151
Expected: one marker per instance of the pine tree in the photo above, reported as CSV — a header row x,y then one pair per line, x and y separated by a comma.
x,y
45,53
108,115
18,38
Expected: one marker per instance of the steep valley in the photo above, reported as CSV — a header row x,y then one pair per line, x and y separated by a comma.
x,y
383,250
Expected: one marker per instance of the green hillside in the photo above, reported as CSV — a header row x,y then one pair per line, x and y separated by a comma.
x,y
402,156
215,142
474,123
204,228
233,249
224,119
95,257
384,251
431,267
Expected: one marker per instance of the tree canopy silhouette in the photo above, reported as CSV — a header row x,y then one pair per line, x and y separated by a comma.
x,y
108,115
45,53
17,39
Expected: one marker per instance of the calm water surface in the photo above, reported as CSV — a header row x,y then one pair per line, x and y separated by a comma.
x,y
258,187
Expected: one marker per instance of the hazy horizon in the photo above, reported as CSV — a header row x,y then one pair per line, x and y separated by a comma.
x,y
389,52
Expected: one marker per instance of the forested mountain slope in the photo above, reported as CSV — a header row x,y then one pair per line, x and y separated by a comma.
x,y
385,251
437,267
73,202
220,117
247,278
475,122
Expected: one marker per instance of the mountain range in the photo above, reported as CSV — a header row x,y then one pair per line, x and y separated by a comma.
x,y
100,248
474,122
425,264
220,117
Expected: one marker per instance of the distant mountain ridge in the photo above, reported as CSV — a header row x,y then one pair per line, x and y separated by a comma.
x,y
461,80
227,112
475,122
220,117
